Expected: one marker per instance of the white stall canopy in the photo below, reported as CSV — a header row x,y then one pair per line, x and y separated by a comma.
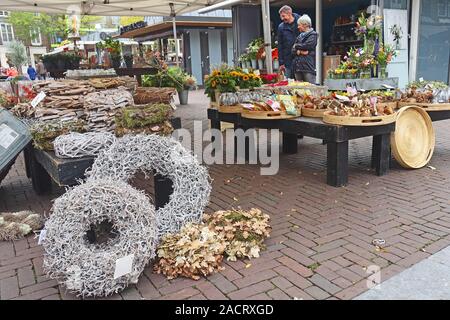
x,y
107,7
110,8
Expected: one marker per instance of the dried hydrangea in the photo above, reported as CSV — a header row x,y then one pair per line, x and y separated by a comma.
x,y
193,252
15,225
244,230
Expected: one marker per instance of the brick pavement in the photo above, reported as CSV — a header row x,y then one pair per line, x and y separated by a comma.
x,y
321,241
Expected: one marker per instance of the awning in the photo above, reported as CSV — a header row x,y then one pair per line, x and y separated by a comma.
x,y
167,25
107,7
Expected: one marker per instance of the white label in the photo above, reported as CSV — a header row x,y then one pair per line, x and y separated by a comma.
x,y
124,266
42,236
342,98
421,79
7,136
38,99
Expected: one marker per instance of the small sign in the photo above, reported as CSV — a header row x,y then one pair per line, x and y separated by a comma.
x,y
42,236
421,79
7,136
124,266
38,99
342,98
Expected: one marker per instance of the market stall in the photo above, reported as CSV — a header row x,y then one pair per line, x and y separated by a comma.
x,y
301,109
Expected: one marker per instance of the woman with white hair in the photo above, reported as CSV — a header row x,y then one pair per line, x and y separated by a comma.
x,y
304,51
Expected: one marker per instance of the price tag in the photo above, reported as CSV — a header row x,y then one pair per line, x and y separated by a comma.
x,y
42,236
342,98
7,136
124,266
38,99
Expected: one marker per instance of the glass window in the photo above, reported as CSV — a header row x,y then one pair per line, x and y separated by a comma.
x,y
36,39
396,4
6,32
434,42
4,13
442,8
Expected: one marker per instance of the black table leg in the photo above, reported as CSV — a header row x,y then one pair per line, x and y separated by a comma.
x,y
290,143
40,179
27,154
163,190
337,163
250,148
376,142
382,146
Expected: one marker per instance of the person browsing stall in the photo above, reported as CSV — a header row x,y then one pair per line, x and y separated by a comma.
x,y
304,51
287,33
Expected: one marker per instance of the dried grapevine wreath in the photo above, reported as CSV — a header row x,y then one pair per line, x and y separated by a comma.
x,y
77,145
166,156
88,268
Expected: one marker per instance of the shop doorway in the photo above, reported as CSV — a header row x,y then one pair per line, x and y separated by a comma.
x,y
204,53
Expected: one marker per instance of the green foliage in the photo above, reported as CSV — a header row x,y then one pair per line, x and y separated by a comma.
x,y
18,54
173,77
140,117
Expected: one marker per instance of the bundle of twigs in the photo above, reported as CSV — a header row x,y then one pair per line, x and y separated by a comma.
x,y
148,95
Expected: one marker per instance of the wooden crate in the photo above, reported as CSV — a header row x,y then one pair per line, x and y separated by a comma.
x,y
358,121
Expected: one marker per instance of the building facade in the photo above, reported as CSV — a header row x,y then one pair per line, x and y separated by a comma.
x,y
36,47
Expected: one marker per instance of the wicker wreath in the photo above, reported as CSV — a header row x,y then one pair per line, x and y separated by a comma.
x,y
191,185
88,268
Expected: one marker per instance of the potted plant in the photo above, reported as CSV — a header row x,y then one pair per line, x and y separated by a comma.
x,y
114,49
220,80
18,55
275,61
128,60
189,83
253,48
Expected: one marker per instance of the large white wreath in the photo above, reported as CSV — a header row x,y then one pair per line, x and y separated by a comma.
x,y
89,269
191,185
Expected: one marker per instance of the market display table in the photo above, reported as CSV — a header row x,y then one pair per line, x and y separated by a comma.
x,y
336,137
138,72
43,167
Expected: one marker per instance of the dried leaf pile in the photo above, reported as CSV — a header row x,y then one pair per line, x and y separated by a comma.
x,y
153,118
45,133
101,108
244,230
150,95
194,252
16,225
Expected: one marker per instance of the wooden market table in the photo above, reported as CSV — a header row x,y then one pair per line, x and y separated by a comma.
x,y
43,167
336,138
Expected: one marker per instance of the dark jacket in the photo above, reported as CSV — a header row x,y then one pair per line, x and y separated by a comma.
x,y
306,41
287,33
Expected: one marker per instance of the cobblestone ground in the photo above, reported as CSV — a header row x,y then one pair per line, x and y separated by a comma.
x,y
321,244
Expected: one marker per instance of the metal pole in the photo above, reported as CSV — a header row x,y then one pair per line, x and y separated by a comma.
x,y
265,8
319,49
174,24
414,44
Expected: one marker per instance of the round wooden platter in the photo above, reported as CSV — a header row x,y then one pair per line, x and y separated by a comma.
x,y
413,141
392,104
230,109
313,113
427,106
357,121
267,115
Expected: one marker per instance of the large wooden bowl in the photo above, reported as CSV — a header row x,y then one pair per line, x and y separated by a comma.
x,y
413,141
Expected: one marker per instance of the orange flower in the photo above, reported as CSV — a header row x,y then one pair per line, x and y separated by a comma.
x,y
224,81
213,83
245,77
